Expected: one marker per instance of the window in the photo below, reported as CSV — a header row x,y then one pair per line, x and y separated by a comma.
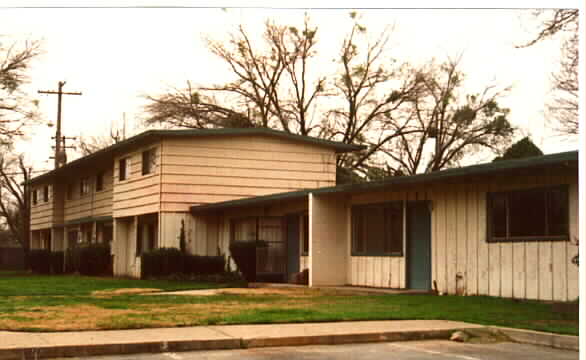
x,y
123,169
84,186
528,215
377,229
35,200
100,182
70,189
46,193
149,161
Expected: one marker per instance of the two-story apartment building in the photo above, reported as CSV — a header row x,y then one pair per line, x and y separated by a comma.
x,y
135,194
508,228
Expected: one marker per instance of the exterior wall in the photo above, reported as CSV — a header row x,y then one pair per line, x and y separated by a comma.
x,y
328,240
381,271
463,262
92,204
124,248
137,194
42,213
215,169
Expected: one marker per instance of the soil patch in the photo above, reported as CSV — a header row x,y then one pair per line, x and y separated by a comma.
x,y
124,291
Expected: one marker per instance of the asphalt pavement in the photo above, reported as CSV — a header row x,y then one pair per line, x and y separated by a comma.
x,y
408,350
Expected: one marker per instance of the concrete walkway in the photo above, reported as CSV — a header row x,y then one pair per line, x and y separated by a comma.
x,y
21,345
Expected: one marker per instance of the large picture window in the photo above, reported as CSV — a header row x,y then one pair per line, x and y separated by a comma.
x,y
377,229
528,215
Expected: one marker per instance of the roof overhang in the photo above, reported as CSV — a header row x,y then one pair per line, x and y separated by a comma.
x,y
153,135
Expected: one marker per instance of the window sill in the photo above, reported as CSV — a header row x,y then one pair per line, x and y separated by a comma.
x,y
528,239
377,254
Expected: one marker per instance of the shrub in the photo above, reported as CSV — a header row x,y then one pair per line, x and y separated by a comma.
x,y
204,265
56,262
90,259
244,255
164,262
40,261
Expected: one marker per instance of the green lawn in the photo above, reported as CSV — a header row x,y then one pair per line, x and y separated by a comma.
x,y
46,303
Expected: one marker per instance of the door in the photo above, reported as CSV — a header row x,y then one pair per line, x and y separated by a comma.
x,y
418,245
292,244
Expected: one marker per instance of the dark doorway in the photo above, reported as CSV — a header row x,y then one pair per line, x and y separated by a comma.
x,y
418,245
292,244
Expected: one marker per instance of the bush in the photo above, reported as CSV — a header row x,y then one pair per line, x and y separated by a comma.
x,y
204,265
90,259
40,261
164,262
244,255
56,262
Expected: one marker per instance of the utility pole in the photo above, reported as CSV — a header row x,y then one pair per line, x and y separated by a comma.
x,y
59,154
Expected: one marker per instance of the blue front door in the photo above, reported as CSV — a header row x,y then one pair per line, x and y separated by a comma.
x,y
418,245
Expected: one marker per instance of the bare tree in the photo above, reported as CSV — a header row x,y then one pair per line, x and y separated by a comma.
x,y
15,198
90,144
272,87
563,107
16,109
374,94
372,99
460,124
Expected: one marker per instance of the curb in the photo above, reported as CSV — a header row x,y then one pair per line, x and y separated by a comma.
x,y
44,352
564,342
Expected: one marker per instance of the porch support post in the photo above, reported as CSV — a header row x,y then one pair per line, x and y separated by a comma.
x,y
328,240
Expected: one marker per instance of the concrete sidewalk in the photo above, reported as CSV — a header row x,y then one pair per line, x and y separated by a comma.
x,y
20,345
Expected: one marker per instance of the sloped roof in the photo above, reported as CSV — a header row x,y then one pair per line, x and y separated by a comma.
x,y
473,170
149,135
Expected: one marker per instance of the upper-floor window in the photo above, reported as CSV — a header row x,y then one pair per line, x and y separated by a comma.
x,y
123,169
528,215
84,186
70,191
377,229
46,193
34,194
149,161
100,182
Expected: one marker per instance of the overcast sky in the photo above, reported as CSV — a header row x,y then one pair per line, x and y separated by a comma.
x,y
115,55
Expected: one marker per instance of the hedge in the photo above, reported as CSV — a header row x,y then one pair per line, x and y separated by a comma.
x,y
40,261
43,261
163,262
89,259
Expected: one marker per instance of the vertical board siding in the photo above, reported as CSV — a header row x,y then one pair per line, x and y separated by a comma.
x,y
525,270
572,246
461,277
472,241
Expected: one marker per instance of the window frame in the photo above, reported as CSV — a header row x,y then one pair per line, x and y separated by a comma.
x,y
34,199
354,252
533,238
149,162
46,196
84,186
124,168
100,181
